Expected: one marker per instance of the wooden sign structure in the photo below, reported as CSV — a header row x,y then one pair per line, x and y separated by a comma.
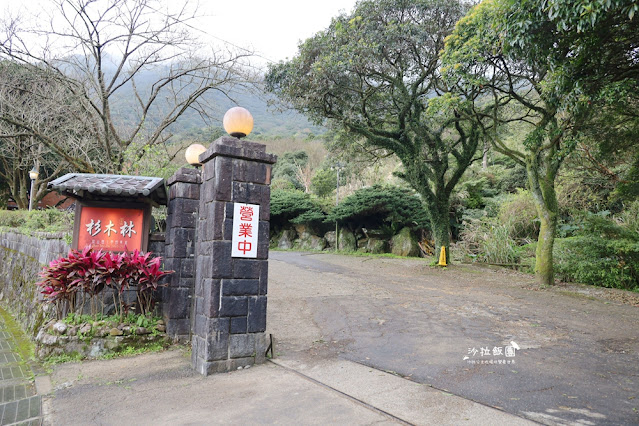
x,y
111,227
113,212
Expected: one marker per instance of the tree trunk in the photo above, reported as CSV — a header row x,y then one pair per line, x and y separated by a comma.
x,y
544,261
440,224
545,199
484,160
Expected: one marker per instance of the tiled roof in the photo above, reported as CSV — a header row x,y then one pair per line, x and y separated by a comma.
x,y
92,187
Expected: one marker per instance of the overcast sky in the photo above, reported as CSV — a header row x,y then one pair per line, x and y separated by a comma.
x,y
272,28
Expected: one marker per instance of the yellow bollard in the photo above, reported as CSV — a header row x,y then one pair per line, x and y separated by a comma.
x,y
442,257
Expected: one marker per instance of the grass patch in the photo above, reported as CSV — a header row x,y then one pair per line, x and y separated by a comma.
x,y
25,347
132,350
62,359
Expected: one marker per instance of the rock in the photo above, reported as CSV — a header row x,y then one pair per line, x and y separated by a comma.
x,y
73,330
126,329
161,322
405,243
141,331
346,240
375,246
49,340
286,238
40,335
307,240
330,239
160,327
103,332
116,332
362,243
85,329
97,349
60,327
312,242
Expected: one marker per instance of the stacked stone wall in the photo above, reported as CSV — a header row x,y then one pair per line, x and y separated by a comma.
x,y
22,257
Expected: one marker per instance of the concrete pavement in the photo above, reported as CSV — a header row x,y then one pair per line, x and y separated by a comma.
x,y
161,388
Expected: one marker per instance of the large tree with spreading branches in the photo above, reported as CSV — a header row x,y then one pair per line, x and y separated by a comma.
x,y
373,75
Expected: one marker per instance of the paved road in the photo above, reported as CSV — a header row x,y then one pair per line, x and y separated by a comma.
x,y
577,357
19,403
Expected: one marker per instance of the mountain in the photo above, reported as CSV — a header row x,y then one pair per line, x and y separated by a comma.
x,y
268,121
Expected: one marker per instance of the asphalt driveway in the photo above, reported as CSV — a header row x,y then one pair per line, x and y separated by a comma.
x,y
563,355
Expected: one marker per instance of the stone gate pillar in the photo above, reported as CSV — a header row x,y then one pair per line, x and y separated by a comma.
x,y
230,292
182,213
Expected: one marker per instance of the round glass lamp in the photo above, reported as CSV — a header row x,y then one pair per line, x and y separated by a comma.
x,y
192,154
238,122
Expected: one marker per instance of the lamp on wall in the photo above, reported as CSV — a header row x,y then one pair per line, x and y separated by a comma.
x,y
33,174
238,122
192,154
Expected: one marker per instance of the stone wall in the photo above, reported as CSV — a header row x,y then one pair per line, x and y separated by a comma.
x,y
22,257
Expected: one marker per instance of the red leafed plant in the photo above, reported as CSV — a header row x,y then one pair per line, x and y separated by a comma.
x,y
69,280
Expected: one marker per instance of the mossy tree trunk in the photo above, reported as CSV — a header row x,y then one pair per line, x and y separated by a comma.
x,y
440,224
542,168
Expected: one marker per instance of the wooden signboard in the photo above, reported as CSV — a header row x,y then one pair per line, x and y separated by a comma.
x,y
111,226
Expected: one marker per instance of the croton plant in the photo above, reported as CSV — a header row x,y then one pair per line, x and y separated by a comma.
x,y
68,280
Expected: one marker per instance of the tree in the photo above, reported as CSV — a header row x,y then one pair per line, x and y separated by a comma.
x,y
374,75
532,61
62,140
137,47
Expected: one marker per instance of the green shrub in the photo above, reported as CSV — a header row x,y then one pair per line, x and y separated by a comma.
x,y
604,253
287,166
324,182
291,206
597,261
487,240
13,218
48,220
630,216
379,206
519,214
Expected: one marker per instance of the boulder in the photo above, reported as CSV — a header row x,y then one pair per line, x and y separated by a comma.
x,y
405,243
347,241
286,239
330,239
307,240
375,246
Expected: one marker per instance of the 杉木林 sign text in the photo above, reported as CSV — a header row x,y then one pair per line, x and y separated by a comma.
x,y
111,228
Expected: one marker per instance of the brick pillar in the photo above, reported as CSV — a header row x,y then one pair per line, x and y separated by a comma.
x,y
184,200
231,292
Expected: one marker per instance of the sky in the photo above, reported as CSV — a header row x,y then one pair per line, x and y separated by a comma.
x,y
271,28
